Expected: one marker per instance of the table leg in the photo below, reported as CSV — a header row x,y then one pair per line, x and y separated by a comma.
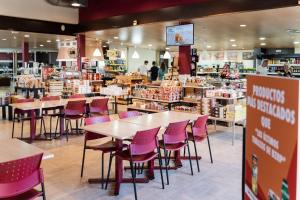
x,y
116,106
10,113
233,136
118,168
4,112
32,125
61,121
151,170
177,156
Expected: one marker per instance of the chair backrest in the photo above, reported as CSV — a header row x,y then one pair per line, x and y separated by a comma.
x,y
144,142
50,98
99,106
95,120
77,96
176,132
199,127
20,176
75,107
24,100
127,114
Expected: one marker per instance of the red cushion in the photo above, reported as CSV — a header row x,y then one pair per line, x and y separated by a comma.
x,y
172,147
106,147
125,155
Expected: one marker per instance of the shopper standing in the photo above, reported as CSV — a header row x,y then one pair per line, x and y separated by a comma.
x,y
162,71
144,68
263,68
154,71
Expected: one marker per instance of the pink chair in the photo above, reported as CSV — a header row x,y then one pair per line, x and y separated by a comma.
x,y
75,110
45,113
175,138
143,148
77,96
199,133
128,114
21,116
108,147
99,107
18,179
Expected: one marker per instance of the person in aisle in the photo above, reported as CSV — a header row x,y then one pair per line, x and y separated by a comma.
x,y
263,68
144,68
162,71
286,71
154,71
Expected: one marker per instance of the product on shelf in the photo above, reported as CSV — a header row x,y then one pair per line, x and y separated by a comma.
x,y
148,106
29,81
224,93
55,88
187,109
113,90
78,86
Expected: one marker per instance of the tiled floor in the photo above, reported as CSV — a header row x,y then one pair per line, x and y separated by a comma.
x,y
218,181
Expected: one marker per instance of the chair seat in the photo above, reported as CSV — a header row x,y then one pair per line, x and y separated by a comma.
x,y
30,195
172,147
106,147
197,138
73,116
125,155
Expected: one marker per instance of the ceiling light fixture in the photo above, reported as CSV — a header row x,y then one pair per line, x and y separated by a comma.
x,y
167,48
49,41
234,45
116,37
123,56
76,3
57,40
243,25
263,44
97,52
15,37
27,36
104,46
167,55
4,39
41,45
135,55
296,42
262,38
208,46
232,40
149,45
135,22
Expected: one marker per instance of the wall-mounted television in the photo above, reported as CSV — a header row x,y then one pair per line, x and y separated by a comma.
x,y
180,35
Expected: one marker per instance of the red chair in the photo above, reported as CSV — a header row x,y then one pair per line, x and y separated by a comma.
x,y
18,179
108,147
77,96
175,138
21,116
45,113
127,114
75,110
99,107
199,133
143,148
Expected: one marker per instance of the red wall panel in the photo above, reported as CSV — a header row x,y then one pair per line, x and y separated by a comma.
x,y
184,61
100,9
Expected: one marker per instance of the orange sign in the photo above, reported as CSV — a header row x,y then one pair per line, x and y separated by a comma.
x,y
271,138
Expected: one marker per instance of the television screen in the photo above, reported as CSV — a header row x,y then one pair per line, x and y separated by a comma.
x,y
180,35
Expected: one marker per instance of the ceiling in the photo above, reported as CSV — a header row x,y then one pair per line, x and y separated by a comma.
x,y
215,32
13,40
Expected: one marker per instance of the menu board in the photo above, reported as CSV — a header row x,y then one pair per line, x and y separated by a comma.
x,y
271,138
180,35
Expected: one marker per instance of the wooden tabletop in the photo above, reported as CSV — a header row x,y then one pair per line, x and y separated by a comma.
x,y
13,149
49,104
162,119
117,129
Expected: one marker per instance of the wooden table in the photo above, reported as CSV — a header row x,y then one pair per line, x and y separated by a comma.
x,y
39,105
126,129
14,149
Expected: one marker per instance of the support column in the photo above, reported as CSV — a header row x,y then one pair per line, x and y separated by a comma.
x,y
184,60
80,49
25,53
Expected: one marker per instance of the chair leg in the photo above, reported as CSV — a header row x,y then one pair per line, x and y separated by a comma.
x,y
102,171
160,168
22,129
208,142
83,159
57,121
109,169
169,158
133,179
196,153
67,130
189,152
166,164
45,126
43,190
77,128
41,126
13,129
51,117
184,151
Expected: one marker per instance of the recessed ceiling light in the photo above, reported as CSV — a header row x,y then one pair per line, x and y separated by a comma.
x,y
49,41
232,40
122,43
15,37
57,40
243,25
34,47
4,39
76,4
167,48
116,37
41,45
234,45
27,36
296,42
149,45
108,42
262,38
14,32
104,46
208,46
263,44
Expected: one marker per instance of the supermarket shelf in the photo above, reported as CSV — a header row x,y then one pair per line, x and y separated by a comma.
x,y
115,71
199,87
143,109
225,98
190,101
156,100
